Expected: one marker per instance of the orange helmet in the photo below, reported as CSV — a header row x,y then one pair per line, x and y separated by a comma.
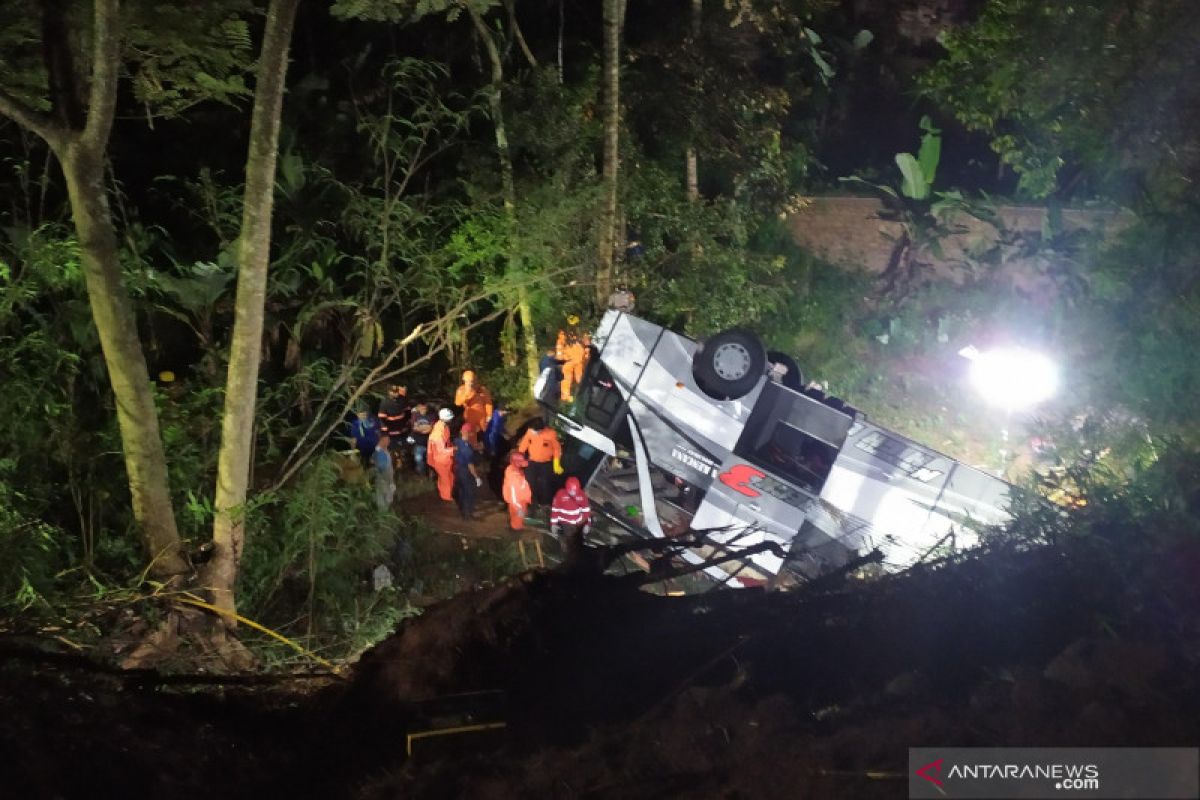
x,y
468,377
518,460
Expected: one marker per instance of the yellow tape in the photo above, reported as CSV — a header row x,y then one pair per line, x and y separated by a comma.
x,y
262,628
484,726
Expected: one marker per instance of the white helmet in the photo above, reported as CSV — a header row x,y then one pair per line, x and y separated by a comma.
x,y
445,415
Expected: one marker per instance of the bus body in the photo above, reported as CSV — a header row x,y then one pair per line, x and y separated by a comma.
x,y
777,464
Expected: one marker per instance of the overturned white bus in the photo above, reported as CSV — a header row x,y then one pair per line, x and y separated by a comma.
x,y
722,437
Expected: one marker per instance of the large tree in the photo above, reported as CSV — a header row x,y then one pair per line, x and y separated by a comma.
x,y
70,101
614,12
245,348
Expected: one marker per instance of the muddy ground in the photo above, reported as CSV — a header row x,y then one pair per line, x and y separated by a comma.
x,y
606,691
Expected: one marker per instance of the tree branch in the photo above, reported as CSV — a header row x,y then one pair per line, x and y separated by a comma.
x,y
59,58
106,62
510,6
35,121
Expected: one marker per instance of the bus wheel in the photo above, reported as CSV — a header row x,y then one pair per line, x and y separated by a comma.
x,y
729,364
793,378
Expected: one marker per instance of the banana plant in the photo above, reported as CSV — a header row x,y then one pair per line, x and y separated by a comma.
x,y
920,212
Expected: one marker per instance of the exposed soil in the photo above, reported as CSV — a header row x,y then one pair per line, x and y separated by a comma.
x,y
610,692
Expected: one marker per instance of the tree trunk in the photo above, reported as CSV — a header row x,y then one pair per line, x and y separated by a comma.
x,y
112,311
690,157
612,125
508,187
78,135
245,348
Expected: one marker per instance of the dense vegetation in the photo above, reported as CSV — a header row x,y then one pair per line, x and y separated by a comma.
x,y
443,199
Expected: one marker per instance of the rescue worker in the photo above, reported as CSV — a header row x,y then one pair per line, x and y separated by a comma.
x,y
540,445
441,454
475,401
365,433
516,491
394,415
571,516
466,476
574,357
384,473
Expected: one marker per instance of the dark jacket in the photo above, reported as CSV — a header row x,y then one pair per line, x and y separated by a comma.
x,y
393,416
553,385
493,436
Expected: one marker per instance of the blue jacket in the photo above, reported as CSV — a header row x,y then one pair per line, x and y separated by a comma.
x,y
493,435
382,461
365,433
464,455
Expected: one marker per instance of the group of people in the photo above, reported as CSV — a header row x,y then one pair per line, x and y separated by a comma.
x,y
455,446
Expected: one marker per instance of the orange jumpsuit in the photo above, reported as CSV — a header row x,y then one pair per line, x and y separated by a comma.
x,y
574,354
517,494
476,402
441,458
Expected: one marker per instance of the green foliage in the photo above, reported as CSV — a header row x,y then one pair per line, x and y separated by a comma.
x,y
1089,84
311,547
30,549
406,11
176,55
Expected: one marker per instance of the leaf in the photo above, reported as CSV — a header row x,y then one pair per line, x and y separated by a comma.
x,y
931,151
827,71
812,35
862,39
914,185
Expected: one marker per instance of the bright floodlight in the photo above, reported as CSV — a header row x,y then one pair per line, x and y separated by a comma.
x,y
1014,378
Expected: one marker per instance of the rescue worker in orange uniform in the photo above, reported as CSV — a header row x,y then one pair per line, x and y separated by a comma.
x,y
541,446
440,454
516,491
476,403
571,348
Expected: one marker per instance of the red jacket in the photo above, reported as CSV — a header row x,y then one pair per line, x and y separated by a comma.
x,y
570,509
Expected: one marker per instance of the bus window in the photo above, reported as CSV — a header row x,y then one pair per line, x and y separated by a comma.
x,y
599,404
792,453
793,437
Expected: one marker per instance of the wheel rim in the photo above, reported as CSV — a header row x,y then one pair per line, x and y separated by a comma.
x,y
731,361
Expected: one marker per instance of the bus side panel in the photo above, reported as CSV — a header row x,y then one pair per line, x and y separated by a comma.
x,y
626,347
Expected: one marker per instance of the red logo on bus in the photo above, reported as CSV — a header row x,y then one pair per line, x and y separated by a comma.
x,y
739,477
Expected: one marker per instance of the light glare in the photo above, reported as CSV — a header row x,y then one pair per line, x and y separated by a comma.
x,y
1014,378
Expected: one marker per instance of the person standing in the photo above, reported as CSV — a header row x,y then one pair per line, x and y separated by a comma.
x,y
494,442
541,446
546,390
571,515
441,454
420,425
466,476
384,474
475,401
365,432
394,415
516,492
574,356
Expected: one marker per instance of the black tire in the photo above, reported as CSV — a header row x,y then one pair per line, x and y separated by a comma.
x,y
728,365
793,378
